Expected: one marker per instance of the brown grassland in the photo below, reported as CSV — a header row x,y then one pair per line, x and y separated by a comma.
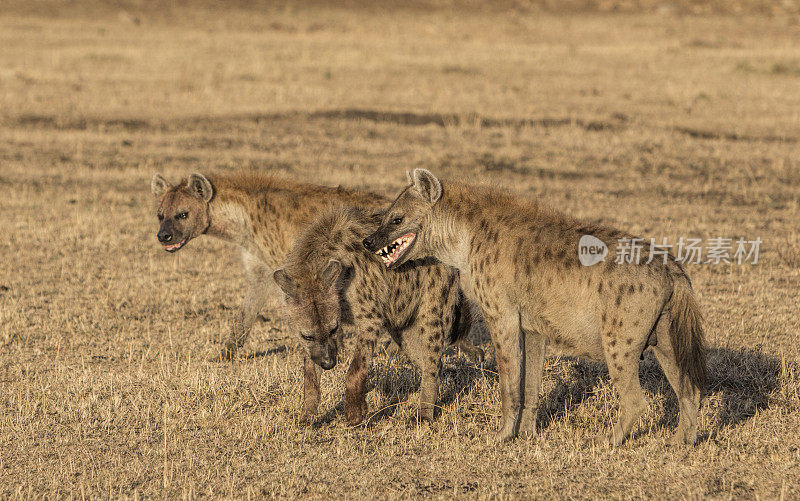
x,y
661,123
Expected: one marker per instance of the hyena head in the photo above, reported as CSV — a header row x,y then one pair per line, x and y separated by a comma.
x,y
182,209
400,236
314,310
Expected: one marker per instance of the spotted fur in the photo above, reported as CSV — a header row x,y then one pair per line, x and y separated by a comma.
x,y
332,282
519,260
261,214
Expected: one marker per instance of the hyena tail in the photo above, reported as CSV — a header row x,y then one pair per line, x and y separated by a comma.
x,y
686,333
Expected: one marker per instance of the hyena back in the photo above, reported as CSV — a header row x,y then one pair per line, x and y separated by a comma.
x,y
332,282
261,214
519,260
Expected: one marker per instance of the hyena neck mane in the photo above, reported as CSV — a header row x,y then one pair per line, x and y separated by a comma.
x,y
264,213
337,234
468,214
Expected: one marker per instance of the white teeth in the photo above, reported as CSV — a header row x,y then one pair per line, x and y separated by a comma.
x,y
391,252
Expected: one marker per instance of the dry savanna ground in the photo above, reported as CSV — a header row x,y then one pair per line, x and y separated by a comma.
x,y
659,123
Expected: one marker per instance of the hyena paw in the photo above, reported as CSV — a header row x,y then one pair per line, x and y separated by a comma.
x,y
355,412
423,413
605,439
306,416
683,437
506,434
602,439
224,355
527,428
227,352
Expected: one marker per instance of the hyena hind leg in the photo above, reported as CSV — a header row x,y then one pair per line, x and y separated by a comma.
x,y
688,395
424,346
623,367
534,364
259,290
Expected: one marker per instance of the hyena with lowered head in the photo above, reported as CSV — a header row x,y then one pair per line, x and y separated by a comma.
x,y
519,260
332,282
261,214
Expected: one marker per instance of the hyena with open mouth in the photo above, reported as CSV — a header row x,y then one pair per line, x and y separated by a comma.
x,y
332,282
261,214
519,260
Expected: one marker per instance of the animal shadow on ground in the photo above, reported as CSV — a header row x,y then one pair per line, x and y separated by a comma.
x,y
395,379
265,353
741,383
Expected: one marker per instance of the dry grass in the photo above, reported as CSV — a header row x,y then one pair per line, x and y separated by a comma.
x,y
665,126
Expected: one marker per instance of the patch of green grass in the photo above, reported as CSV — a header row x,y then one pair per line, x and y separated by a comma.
x,y
787,68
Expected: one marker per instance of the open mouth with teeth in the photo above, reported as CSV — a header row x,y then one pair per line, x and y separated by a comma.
x,y
174,247
392,252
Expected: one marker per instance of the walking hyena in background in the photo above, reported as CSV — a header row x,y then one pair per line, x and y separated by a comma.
x,y
331,281
519,260
261,214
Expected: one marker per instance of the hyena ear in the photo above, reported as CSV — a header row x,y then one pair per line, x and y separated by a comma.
x,y
158,185
285,283
331,273
199,184
426,184
409,177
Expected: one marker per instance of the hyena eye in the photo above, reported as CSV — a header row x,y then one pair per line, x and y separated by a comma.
x,y
335,328
307,337
397,220
182,215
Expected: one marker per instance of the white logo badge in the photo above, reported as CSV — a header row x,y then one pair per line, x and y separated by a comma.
x,y
591,250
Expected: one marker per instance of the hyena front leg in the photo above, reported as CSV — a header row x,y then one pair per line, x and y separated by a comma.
x,y
311,375
367,327
355,402
424,343
254,301
260,286
506,337
534,363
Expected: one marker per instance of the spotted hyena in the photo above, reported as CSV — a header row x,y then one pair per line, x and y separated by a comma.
x,y
261,214
519,260
332,282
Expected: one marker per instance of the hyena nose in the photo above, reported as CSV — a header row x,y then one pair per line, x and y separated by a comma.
x,y
368,243
164,237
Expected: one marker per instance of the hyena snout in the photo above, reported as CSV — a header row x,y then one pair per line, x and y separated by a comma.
x,y
325,356
369,243
327,363
378,240
166,233
171,237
